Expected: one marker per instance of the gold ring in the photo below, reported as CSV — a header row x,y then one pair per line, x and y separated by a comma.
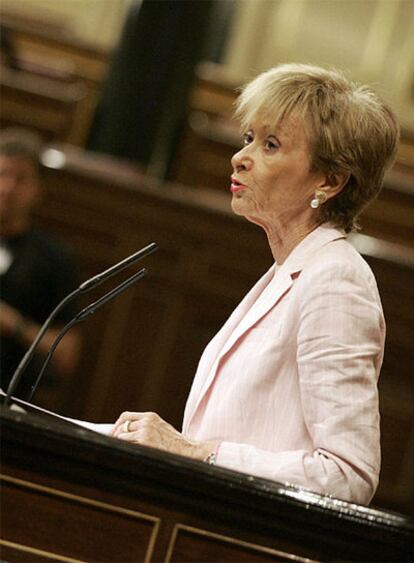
x,y
126,425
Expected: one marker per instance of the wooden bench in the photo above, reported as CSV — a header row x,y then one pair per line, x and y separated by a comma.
x,y
50,55
39,103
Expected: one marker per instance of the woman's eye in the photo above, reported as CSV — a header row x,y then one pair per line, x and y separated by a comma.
x,y
271,144
247,139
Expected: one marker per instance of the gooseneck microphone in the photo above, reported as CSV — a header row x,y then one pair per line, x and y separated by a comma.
x,y
103,276
80,317
86,286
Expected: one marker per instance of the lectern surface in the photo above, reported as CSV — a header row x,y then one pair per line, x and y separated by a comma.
x,y
71,494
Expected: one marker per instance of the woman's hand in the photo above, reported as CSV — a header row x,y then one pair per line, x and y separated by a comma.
x,y
149,429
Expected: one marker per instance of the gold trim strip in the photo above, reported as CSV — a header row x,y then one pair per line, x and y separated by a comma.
x,y
39,552
233,541
95,503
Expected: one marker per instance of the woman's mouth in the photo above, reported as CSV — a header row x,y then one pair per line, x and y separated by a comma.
x,y
236,186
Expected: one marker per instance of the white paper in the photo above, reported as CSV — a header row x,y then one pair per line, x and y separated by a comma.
x,y
101,428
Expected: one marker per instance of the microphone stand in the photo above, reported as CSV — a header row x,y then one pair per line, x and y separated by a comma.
x,y
80,317
83,288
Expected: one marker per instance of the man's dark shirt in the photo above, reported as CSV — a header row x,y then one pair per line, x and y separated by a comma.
x,y
40,275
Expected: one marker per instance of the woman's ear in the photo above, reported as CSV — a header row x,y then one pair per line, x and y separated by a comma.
x,y
333,183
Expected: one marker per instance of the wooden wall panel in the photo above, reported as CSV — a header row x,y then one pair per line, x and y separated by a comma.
x,y
58,84
59,519
396,387
195,544
44,104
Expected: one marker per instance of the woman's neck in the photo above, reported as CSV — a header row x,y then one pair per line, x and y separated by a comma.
x,y
283,239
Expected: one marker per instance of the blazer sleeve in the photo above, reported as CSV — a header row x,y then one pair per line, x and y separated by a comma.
x,y
340,343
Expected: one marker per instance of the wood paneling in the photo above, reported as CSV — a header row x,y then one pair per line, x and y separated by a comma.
x,y
47,45
44,104
194,544
57,85
106,530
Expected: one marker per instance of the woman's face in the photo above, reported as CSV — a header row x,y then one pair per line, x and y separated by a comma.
x,y
272,184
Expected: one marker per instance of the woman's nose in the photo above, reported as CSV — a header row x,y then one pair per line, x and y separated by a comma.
x,y
242,160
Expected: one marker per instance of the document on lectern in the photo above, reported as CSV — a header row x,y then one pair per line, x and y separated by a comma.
x,y
23,406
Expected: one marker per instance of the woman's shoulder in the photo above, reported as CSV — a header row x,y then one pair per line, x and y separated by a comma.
x,y
339,259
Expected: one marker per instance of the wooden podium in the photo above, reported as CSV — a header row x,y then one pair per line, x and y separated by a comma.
x,y
69,494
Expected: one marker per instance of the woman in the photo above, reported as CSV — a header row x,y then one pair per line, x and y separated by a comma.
x,y
287,389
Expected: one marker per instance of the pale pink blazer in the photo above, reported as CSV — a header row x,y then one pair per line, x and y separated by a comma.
x,y
288,386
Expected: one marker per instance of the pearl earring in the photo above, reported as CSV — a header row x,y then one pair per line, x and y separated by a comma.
x,y
320,197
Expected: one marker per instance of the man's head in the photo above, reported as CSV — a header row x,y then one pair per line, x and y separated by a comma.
x,y
19,178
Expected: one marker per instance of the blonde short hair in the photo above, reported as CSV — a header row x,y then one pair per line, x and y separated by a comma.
x,y
350,129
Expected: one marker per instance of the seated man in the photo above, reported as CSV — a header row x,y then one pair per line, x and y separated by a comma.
x,y
36,271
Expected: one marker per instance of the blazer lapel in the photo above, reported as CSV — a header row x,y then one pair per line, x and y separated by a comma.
x,y
212,354
257,303
270,296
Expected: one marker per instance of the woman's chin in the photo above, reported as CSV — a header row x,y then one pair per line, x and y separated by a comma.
x,y
238,206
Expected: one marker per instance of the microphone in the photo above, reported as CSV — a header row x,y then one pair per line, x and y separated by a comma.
x,y
80,317
83,288
103,276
